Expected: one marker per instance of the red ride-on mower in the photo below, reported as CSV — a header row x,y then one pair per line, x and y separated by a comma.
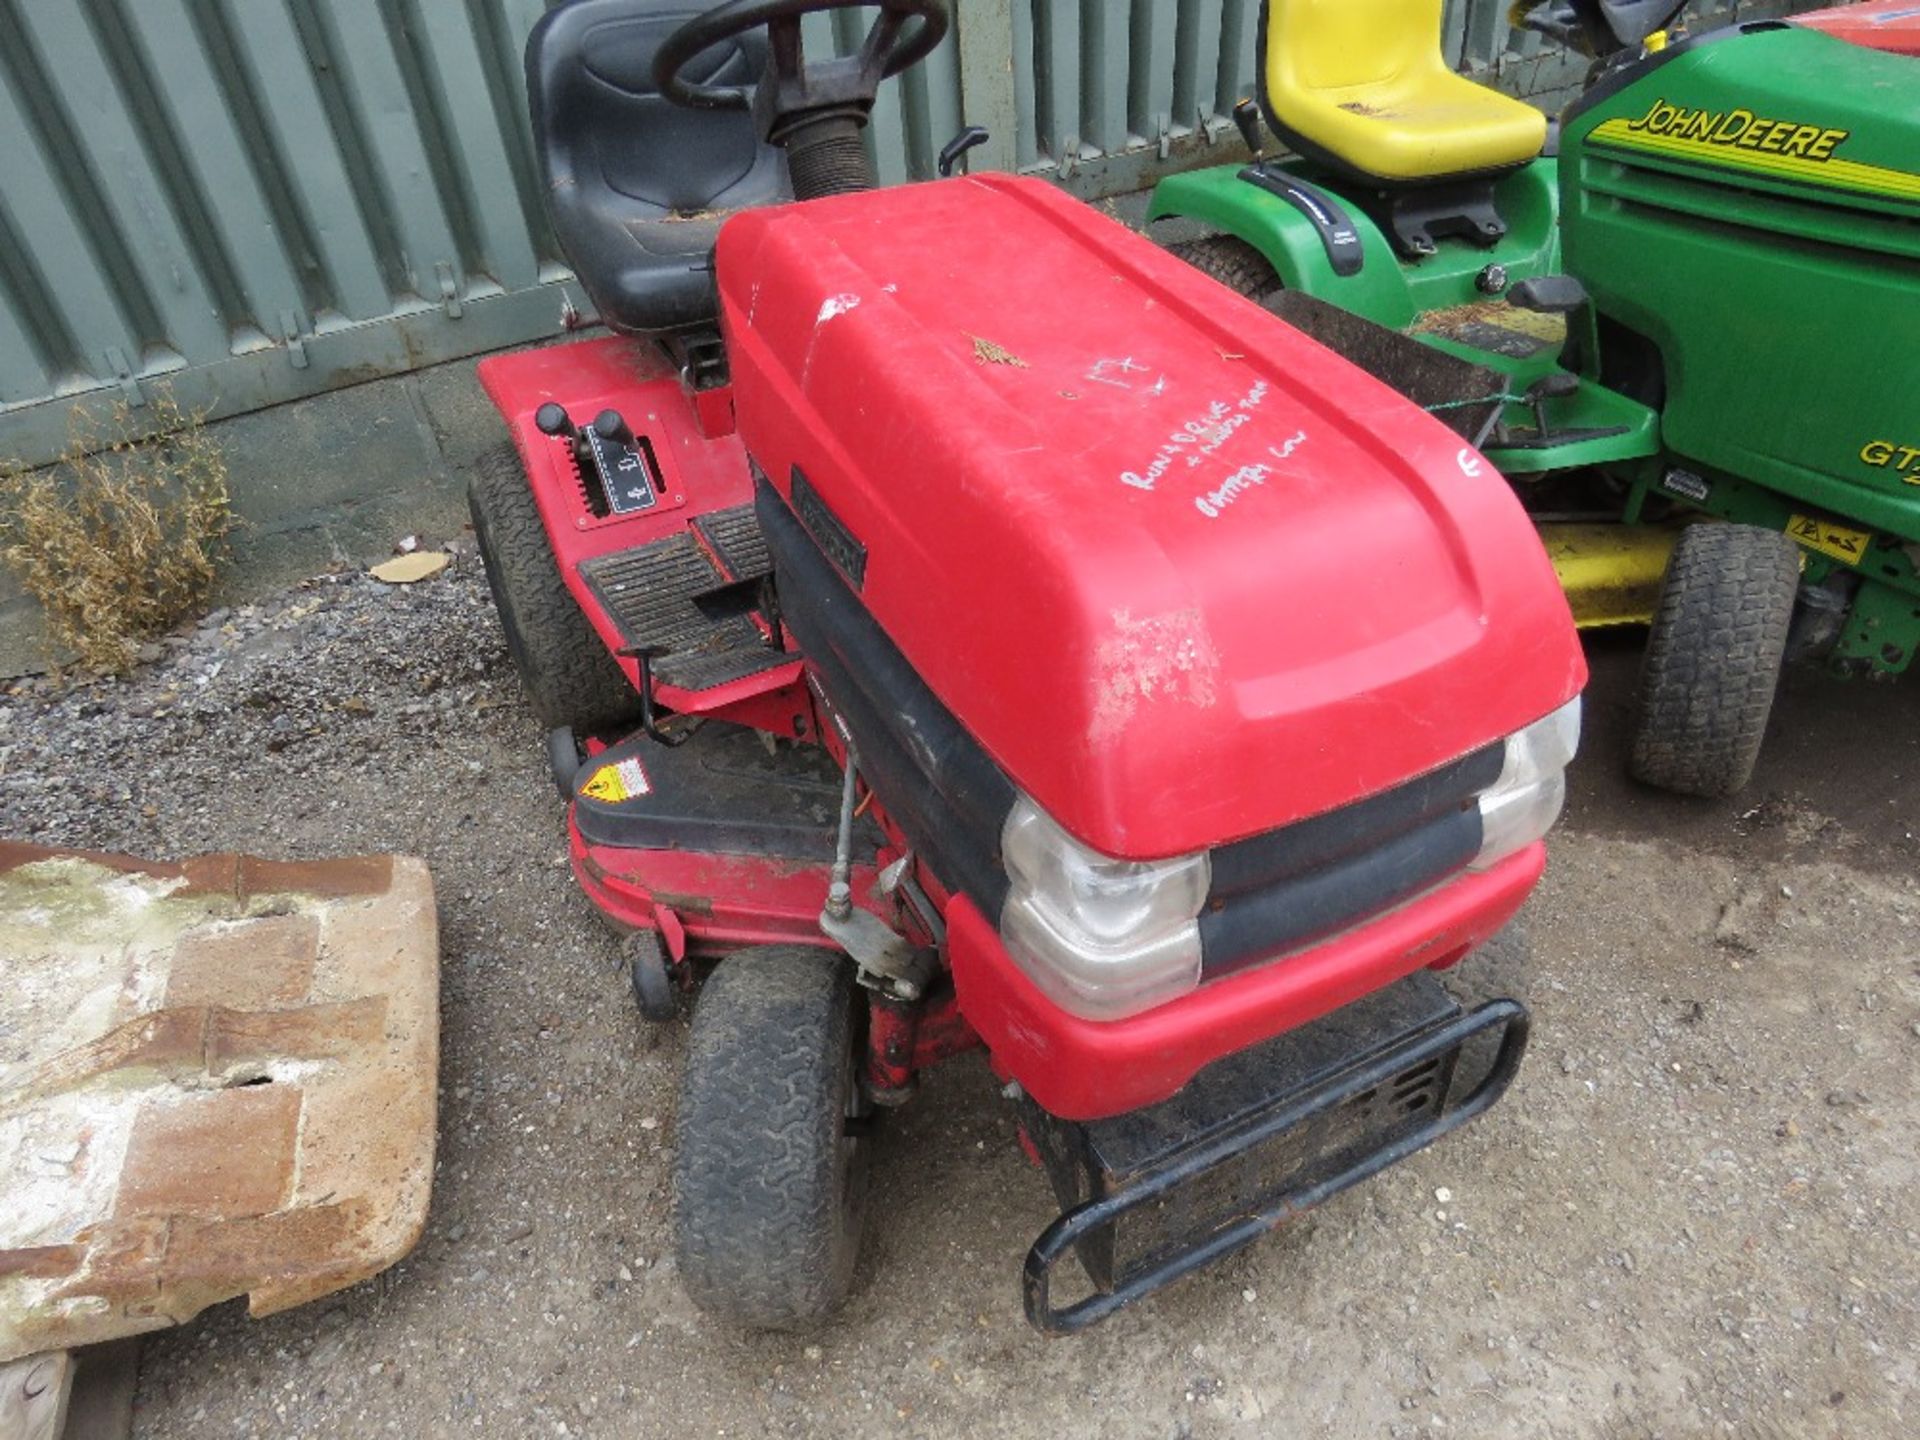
x,y
970,626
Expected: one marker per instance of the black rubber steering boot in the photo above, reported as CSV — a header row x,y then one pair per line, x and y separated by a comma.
x,y
814,111
1598,28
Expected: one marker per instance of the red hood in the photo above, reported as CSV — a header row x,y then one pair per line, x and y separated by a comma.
x,y
1186,574
1890,25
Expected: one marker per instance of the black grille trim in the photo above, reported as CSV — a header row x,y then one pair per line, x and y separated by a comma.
x,y
1265,924
1289,887
1293,850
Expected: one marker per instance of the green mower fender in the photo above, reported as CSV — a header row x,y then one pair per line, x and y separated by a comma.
x,y
1384,289
1219,198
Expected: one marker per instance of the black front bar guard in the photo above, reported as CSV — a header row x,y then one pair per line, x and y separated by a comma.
x,y
1061,1236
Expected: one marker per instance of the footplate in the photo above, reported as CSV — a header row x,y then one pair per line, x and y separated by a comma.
x,y
1257,1139
690,600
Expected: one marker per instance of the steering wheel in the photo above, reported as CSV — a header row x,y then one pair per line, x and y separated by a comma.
x,y
790,83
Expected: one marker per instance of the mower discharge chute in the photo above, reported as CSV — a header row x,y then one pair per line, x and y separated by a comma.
x,y
968,631
1698,301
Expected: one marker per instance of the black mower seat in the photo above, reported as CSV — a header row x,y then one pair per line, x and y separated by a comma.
x,y
637,187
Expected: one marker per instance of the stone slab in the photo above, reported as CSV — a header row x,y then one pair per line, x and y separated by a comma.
x,y
216,1078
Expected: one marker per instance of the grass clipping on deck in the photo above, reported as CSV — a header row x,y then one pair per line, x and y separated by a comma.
x,y
122,539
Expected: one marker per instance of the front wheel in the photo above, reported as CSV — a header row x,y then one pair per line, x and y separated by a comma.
x,y
770,1176
1713,658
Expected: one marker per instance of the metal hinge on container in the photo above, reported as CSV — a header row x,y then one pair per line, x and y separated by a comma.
x,y
296,345
449,291
123,376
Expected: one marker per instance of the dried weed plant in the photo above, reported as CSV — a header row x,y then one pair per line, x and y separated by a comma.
x,y
122,539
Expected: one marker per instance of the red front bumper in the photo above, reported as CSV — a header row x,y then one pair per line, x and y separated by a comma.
x,y
1088,1069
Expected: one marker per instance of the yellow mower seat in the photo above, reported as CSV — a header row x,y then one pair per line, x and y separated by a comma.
x,y
1363,84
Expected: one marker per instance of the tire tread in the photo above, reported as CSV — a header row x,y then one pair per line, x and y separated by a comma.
x,y
569,676
1233,262
1713,658
766,1220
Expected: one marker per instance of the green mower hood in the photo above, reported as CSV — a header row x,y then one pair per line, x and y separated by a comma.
x,y
1749,202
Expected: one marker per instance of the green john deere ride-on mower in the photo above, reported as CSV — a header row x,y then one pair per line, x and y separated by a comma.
x,y
1696,298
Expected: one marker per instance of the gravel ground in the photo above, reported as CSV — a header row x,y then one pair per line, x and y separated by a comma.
x,y
1694,1215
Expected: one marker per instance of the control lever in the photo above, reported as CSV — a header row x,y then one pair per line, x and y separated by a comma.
x,y
1548,294
1554,385
609,425
552,419
966,140
1246,115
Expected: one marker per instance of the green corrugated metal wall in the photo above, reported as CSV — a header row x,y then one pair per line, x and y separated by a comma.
x,y
253,200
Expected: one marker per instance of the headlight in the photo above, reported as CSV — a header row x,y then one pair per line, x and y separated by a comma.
x,y
1521,806
1103,938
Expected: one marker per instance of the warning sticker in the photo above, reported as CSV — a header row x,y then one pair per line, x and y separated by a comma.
x,y
1839,541
611,784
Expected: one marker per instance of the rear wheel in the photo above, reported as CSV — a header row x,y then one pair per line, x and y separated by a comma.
x,y
570,678
1713,658
770,1177
1234,263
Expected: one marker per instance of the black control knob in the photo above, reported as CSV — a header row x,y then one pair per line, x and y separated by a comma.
x,y
552,419
610,425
